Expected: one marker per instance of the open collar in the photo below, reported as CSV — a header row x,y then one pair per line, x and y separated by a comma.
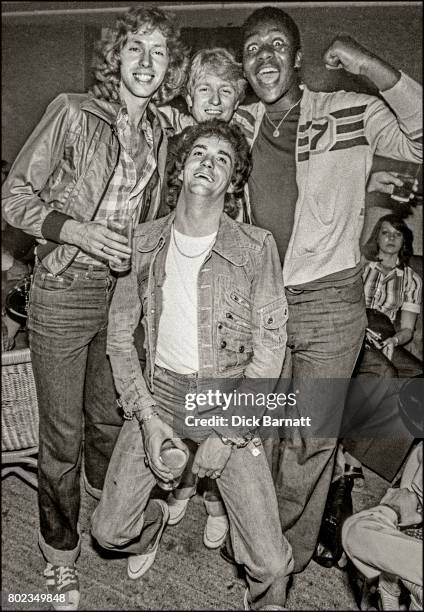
x,y
230,242
108,111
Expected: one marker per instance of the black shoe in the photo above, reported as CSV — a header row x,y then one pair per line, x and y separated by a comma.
x,y
337,509
226,553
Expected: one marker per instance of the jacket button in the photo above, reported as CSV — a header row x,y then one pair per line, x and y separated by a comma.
x,y
229,315
270,320
241,349
223,344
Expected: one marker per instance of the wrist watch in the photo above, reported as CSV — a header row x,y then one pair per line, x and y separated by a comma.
x,y
238,441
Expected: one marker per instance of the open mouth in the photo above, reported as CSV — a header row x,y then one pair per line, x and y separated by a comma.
x,y
143,77
204,175
268,75
214,112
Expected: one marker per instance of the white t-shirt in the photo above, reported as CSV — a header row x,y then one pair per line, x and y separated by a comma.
x,y
177,344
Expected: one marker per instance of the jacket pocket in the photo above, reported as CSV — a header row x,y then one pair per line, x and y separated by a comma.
x,y
272,321
234,348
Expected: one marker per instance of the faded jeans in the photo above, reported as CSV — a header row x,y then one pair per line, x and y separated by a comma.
x,y
325,332
127,520
76,397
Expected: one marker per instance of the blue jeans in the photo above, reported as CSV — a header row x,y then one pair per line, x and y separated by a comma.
x,y
76,396
127,520
325,332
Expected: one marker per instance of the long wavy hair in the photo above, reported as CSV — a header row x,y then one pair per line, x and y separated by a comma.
x,y
107,64
370,248
242,161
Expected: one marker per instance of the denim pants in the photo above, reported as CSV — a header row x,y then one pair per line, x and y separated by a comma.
x,y
77,401
325,332
127,520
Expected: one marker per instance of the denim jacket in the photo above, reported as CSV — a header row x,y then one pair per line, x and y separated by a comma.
x,y
242,309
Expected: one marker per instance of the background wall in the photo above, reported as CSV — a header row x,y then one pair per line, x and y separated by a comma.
x,y
44,54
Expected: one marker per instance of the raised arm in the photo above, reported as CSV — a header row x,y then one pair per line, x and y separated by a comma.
x,y
393,129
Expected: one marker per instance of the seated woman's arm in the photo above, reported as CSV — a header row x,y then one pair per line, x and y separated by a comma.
x,y
406,331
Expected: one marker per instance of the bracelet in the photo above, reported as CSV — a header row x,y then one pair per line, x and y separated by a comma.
x,y
146,419
238,441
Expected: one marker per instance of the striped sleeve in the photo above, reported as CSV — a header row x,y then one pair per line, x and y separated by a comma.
x,y
412,291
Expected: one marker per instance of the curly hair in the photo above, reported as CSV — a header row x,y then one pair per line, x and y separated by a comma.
x,y
106,64
221,62
370,248
242,161
272,13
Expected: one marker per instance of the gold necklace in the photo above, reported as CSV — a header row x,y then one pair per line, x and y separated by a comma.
x,y
276,131
174,238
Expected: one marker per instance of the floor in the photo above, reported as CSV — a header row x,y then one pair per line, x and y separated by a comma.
x,y
185,576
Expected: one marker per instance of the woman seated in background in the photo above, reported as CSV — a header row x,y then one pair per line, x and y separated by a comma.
x,y
393,298
391,287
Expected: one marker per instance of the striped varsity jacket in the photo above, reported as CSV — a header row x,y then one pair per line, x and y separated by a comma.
x,y
338,135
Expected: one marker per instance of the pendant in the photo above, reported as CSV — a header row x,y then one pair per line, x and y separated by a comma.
x,y
276,133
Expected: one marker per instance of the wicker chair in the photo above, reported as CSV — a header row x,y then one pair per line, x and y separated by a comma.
x,y
19,418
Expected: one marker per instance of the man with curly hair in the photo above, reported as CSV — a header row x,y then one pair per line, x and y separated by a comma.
x,y
86,160
211,294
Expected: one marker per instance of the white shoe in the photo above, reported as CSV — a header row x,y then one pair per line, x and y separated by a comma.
x,y
216,530
246,604
139,564
177,509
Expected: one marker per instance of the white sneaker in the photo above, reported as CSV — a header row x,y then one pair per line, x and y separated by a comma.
x,y
139,564
177,509
63,584
246,604
216,530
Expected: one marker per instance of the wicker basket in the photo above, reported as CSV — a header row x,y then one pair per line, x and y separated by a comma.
x,y
19,418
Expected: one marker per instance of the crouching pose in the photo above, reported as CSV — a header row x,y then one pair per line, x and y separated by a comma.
x,y
211,295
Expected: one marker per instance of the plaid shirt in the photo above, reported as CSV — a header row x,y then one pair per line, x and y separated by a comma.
x,y
400,289
136,166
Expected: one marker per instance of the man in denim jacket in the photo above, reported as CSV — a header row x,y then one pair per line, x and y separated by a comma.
x,y
211,294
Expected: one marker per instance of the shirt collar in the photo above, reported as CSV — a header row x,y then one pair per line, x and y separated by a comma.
x,y
375,265
230,241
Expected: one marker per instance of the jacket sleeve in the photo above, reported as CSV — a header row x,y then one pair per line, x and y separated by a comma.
x,y
269,330
396,132
22,206
124,316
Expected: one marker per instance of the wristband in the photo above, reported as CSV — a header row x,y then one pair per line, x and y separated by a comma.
x,y
147,418
239,441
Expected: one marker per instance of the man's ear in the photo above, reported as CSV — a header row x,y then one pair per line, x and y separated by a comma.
x,y
189,101
298,59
